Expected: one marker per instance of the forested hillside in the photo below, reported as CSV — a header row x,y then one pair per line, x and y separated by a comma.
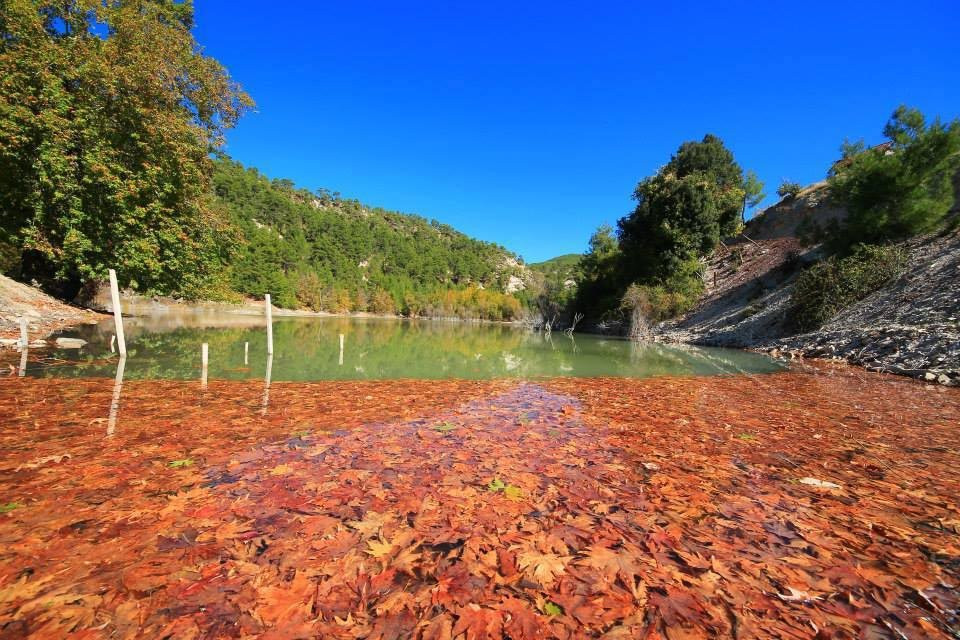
x,y
318,250
106,165
564,266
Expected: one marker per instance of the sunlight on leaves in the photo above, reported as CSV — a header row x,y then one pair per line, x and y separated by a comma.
x,y
179,464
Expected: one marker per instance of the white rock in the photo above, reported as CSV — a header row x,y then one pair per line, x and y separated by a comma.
x,y
70,343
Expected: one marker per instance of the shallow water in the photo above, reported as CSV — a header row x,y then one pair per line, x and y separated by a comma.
x,y
308,349
523,488
697,506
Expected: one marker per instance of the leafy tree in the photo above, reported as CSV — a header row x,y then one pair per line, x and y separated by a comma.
x,y
752,193
684,210
789,189
899,188
310,291
850,148
108,113
600,273
382,302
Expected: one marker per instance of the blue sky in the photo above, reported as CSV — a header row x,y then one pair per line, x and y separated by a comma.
x,y
529,123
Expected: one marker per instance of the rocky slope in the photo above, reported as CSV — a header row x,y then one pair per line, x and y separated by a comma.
x,y
908,327
44,314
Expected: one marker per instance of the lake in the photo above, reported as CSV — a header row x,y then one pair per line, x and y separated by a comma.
x,y
307,349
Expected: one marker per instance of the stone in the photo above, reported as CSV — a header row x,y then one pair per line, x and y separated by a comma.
x,y
9,342
930,376
943,379
70,343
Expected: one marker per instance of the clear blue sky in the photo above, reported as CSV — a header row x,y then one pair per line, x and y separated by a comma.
x,y
529,123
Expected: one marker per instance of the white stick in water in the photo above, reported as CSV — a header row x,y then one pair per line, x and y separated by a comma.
x,y
341,349
204,358
266,385
24,338
246,353
115,401
117,317
23,363
266,300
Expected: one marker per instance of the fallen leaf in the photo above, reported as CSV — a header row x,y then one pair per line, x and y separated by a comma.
x,y
813,482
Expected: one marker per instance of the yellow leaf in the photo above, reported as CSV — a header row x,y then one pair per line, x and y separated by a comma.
x,y
379,548
543,567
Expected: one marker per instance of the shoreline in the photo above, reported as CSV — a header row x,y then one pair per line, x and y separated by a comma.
x,y
868,349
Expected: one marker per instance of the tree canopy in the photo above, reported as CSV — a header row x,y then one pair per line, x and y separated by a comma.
x,y
683,211
108,113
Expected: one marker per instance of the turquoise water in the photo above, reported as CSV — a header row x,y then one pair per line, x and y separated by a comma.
x,y
309,349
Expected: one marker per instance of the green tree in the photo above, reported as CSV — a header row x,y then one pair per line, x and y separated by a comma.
x,y
683,211
108,114
600,278
789,189
899,188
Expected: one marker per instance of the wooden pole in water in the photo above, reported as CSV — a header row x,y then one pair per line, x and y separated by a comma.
x,y
341,349
266,300
23,363
117,317
246,353
24,338
204,358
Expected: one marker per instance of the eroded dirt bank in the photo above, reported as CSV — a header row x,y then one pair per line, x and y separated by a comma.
x,y
817,502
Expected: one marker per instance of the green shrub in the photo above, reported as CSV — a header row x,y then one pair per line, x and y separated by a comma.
x,y
656,303
830,286
789,189
9,258
900,188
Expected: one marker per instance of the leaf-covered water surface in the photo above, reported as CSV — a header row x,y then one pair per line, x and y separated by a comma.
x,y
793,505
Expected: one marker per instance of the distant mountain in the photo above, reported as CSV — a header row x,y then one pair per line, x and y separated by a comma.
x,y
318,250
564,266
